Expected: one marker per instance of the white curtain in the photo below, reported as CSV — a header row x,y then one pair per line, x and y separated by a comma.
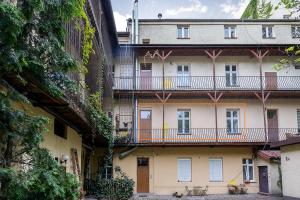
x,y
184,170
215,170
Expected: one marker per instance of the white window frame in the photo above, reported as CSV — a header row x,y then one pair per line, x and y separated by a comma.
x,y
229,28
182,28
267,28
230,73
211,179
190,170
232,118
183,78
296,31
248,165
183,119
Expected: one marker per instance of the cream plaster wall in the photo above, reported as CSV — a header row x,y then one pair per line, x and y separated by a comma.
x,y
163,167
202,112
213,33
290,166
57,146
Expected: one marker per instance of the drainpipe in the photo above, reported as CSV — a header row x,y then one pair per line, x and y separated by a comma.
x,y
136,119
132,27
136,12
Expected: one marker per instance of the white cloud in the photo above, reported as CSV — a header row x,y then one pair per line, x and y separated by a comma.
x,y
234,10
195,6
121,21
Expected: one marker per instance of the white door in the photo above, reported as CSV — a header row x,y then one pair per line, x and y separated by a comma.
x,y
183,76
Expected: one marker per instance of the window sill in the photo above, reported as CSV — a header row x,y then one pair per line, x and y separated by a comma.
x,y
184,181
271,38
228,133
250,181
216,181
184,133
184,38
230,38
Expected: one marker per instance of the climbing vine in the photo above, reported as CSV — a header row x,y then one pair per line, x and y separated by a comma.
x,y
33,38
101,122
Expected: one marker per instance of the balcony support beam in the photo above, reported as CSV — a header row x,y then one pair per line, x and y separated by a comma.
x,y
259,56
162,57
213,56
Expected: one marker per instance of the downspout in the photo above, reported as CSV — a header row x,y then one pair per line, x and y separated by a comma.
x,y
136,12
132,27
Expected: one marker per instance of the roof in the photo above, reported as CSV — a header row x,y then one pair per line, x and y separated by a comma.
x,y
108,13
269,155
218,20
292,139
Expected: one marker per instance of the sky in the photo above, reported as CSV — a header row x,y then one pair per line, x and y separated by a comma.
x,y
202,9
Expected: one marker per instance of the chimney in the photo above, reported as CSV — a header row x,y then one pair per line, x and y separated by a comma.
x,y
159,15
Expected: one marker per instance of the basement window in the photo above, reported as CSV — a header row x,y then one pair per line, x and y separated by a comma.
x,y
60,128
146,41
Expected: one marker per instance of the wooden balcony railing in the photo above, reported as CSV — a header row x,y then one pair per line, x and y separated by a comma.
x,y
204,135
207,83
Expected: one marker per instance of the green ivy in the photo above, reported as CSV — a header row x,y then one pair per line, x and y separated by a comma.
x,y
32,41
101,122
118,188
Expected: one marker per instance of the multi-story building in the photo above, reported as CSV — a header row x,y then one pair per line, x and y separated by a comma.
x,y
196,99
69,129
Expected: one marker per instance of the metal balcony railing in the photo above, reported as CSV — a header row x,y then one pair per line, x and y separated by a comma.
x,y
205,135
207,83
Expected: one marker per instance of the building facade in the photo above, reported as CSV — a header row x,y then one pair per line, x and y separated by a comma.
x,y
196,99
71,138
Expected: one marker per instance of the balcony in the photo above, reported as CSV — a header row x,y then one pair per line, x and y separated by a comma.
x,y
204,136
206,83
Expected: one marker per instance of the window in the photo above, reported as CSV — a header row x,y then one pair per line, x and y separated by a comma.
x,y
231,75
107,172
183,76
230,32
146,41
248,169
184,170
183,117
183,32
215,170
298,120
267,32
232,117
295,31
60,128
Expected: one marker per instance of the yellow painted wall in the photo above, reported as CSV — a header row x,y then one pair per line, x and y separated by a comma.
x,y
163,167
290,166
57,146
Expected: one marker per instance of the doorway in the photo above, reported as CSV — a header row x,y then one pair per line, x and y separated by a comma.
x,y
145,126
142,175
146,76
272,125
271,80
263,179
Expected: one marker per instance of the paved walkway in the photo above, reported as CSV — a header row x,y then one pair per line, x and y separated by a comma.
x,y
209,197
